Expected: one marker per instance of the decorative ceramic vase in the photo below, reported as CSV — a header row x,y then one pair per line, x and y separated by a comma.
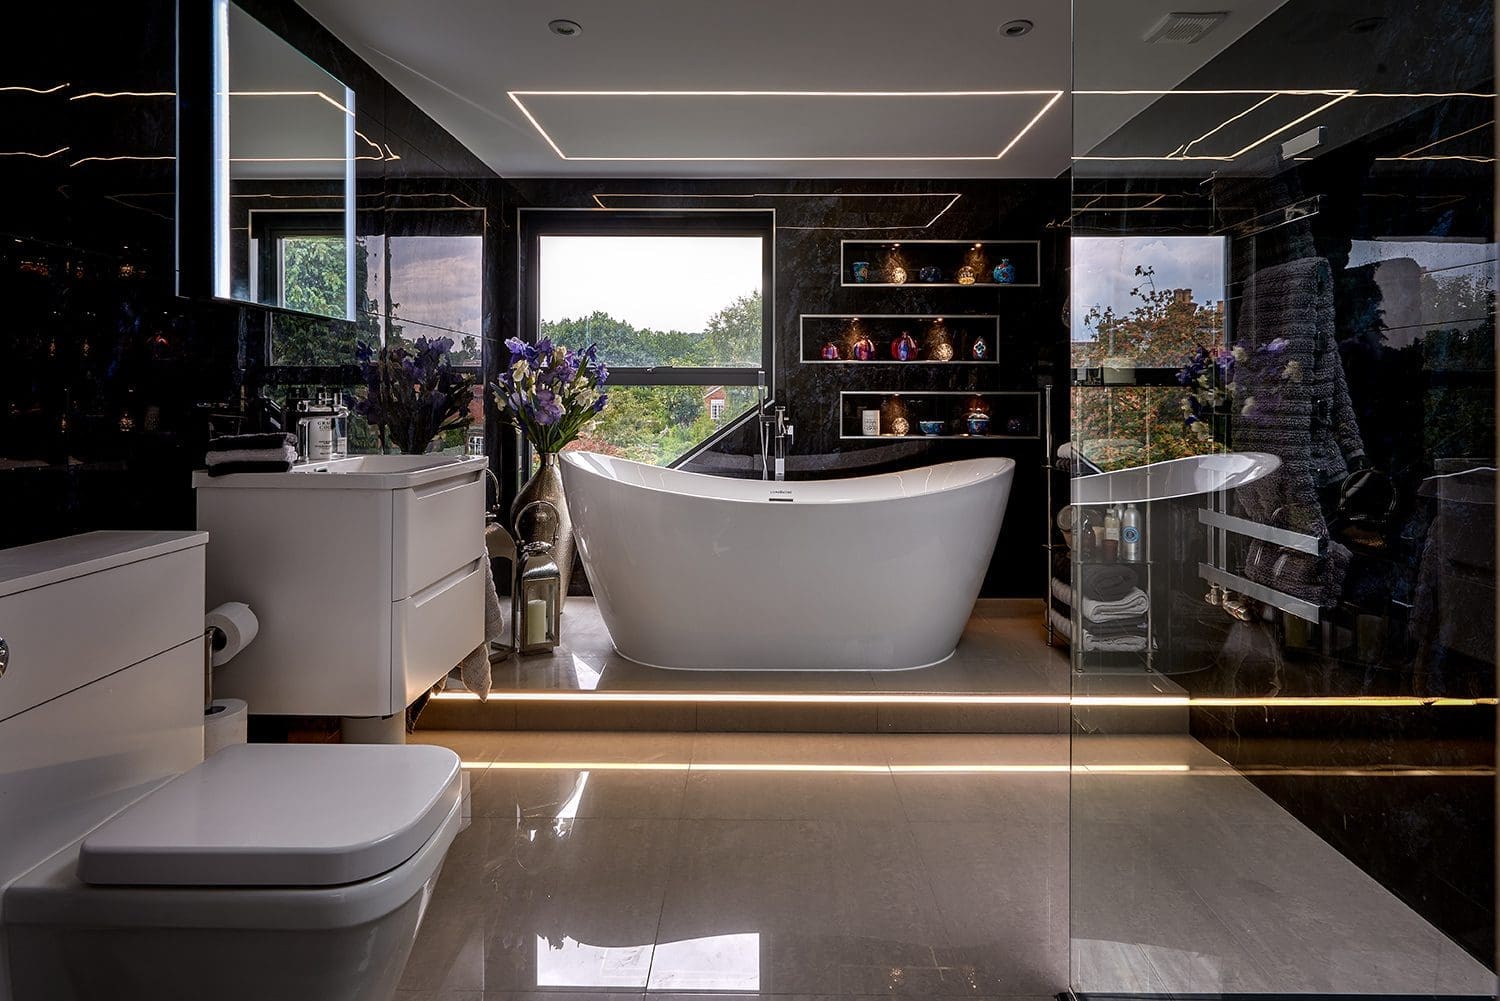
x,y
930,274
538,524
979,349
897,275
931,427
864,349
1005,272
900,425
977,423
941,351
904,348
965,275
861,271
830,352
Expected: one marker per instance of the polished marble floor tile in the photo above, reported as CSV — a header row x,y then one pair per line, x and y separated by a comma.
x,y
608,865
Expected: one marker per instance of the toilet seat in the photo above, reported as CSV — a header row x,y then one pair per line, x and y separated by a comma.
x,y
263,815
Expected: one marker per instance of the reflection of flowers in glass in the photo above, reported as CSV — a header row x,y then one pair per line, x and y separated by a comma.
x,y
1211,380
413,394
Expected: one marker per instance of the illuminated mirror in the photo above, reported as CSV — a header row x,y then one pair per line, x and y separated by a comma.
x,y
283,162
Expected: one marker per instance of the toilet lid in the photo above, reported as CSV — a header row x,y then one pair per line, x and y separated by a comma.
x,y
279,815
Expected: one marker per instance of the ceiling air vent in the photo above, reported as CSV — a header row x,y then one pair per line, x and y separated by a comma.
x,y
1185,27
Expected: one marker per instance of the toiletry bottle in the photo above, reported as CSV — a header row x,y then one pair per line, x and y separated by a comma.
x,y
1130,534
1112,534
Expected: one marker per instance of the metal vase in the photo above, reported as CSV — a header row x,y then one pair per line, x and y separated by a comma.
x,y
546,484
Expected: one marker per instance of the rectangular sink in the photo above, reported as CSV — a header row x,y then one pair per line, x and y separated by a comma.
x,y
356,472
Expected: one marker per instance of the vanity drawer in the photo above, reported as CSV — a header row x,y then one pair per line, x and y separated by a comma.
x,y
435,528
64,635
433,630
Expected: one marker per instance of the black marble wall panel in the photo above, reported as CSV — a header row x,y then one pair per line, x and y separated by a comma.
x,y
811,218
111,379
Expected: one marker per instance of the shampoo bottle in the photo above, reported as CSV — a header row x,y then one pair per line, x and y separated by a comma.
x,y
1132,540
1112,534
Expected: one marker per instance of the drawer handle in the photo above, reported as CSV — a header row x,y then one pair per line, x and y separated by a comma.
x,y
445,584
4,656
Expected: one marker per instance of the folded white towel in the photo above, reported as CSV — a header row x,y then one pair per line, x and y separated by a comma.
x,y
1134,605
286,454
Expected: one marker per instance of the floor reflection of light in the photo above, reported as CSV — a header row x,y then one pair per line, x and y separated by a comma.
x,y
712,963
574,964
586,676
915,698
961,768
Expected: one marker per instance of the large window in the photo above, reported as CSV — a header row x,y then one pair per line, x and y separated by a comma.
x,y
678,306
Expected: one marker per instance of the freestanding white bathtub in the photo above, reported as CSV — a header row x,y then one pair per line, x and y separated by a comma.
x,y
876,573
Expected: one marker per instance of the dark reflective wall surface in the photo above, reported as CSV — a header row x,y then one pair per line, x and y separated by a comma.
x,y
110,379
1358,284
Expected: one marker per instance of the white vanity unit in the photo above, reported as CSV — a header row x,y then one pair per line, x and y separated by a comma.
x,y
366,574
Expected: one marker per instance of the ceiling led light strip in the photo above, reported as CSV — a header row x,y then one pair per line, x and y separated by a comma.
x,y
952,197
1053,96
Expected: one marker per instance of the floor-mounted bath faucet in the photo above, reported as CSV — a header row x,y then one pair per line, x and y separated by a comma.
x,y
773,426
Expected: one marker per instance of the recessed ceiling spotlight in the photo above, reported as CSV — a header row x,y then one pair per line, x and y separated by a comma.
x,y
1015,29
567,29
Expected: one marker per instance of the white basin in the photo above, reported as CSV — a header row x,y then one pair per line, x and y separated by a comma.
x,y
1188,477
357,472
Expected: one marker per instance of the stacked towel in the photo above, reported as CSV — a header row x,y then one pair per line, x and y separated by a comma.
x,y
1131,608
1108,582
251,453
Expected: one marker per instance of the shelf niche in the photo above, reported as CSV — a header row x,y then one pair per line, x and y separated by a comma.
x,y
1013,414
940,263
940,340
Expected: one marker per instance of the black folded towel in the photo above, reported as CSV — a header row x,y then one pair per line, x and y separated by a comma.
x,y
1107,582
225,468
1127,627
248,442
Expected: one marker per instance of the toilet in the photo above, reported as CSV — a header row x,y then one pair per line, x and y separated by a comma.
x,y
131,868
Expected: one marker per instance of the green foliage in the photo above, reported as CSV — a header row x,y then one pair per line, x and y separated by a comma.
x,y
1132,426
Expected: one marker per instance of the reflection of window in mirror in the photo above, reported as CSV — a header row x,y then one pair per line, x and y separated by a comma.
x,y
283,173
423,277
1146,301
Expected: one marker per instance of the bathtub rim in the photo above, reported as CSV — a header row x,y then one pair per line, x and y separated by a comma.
x,y
1005,466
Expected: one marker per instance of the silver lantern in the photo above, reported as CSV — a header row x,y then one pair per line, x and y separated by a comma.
x,y
536,600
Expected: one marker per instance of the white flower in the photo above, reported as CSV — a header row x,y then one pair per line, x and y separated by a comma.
x,y
1249,403
520,369
1293,371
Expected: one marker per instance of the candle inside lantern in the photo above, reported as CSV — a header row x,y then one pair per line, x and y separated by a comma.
x,y
536,621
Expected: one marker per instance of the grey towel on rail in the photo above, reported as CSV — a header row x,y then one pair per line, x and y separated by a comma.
x,y
1107,582
1293,402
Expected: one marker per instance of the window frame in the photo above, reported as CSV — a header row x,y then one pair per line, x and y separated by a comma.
x,y
537,223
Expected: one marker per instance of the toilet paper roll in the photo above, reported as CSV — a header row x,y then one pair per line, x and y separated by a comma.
x,y
224,724
236,625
